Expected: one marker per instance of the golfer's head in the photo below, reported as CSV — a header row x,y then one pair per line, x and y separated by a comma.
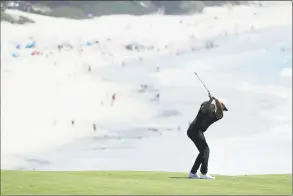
x,y
223,106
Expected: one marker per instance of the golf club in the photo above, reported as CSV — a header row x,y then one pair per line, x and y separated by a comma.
x,y
203,83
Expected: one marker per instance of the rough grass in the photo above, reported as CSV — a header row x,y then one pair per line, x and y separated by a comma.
x,y
123,182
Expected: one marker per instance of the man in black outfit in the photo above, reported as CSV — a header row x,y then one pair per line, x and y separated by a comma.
x,y
207,115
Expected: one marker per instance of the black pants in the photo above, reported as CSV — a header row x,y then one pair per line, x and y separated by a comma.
x,y
202,159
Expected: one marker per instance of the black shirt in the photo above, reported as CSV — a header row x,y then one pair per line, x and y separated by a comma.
x,y
203,121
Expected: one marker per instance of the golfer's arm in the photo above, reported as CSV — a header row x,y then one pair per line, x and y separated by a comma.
x,y
219,111
206,106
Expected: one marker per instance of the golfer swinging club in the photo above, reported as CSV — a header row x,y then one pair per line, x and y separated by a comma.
x,y
207,115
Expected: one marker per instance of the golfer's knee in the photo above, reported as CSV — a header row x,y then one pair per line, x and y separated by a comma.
x,y
206,151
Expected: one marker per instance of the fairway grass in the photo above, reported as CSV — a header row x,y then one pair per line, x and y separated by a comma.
x,y
125,182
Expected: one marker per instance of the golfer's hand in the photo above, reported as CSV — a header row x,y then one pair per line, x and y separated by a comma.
x,y
213,98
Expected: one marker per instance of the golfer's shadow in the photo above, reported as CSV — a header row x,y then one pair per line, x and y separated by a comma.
x,y
179,177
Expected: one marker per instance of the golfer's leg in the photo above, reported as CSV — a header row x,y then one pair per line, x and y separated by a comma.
x,y
196,164
205,152
196,140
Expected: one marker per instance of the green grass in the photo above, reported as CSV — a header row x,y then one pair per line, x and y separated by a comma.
x,y
112,182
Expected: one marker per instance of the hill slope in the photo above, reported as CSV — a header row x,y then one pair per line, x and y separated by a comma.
x,y
84,9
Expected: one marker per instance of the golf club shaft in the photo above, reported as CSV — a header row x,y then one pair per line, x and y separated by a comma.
x,y
202,82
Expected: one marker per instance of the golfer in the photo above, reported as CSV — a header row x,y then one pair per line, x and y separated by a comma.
x,y
207,115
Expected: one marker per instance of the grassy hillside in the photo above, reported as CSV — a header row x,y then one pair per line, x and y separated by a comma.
x,y
111,182
82,9
15,20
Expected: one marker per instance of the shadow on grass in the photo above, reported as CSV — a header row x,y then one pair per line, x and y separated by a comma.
x,y
178,177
